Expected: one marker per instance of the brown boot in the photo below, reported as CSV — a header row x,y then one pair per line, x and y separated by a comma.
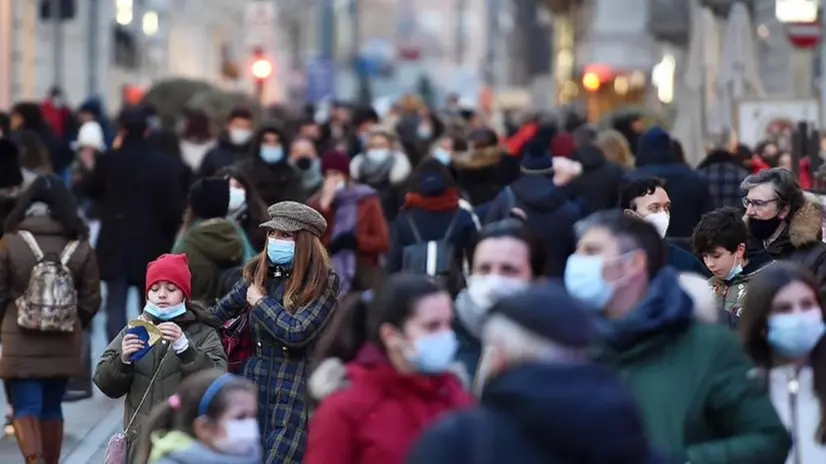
x,y
27,429
51,433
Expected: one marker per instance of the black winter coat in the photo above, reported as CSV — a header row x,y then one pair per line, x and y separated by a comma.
x,y
142,205
599,184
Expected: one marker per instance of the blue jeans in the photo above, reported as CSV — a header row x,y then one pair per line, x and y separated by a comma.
x,y
40,398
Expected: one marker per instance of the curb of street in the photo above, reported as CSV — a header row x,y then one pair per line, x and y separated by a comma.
x,y
97,438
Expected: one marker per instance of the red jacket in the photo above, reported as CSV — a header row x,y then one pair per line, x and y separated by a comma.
x,y
379,414
804,178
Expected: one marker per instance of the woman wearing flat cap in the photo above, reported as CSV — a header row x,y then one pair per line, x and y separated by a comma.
x,y
287,293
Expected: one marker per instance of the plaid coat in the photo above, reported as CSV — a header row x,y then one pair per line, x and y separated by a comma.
x,y
282,343
724,175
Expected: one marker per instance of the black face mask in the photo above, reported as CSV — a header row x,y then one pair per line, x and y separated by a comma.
x,y
304,163
762,229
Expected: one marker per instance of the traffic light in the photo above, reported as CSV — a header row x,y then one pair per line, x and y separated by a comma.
x,y
261,66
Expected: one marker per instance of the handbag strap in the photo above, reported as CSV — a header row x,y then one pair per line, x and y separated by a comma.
x,y
146,393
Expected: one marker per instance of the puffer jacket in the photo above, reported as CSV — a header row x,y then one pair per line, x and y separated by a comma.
x,y
116,379
730,295
32,354
211,247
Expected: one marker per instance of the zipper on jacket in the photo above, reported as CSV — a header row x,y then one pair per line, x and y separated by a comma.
x,y
793,387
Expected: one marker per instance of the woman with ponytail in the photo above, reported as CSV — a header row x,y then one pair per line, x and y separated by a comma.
x,y
388,359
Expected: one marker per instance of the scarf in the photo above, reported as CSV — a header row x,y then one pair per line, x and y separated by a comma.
x,y
311,177
344,222
376,173
447,201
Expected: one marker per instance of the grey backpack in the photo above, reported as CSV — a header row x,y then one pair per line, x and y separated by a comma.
x,y
434,258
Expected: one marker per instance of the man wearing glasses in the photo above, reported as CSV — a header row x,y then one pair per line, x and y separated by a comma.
x,y
785,220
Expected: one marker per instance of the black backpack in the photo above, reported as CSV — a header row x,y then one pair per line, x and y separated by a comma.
x,y
434,258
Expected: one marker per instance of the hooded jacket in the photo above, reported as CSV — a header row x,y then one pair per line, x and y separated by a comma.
x,y
482,173
179,448
550,215
599,184
277,181
688,190
211,247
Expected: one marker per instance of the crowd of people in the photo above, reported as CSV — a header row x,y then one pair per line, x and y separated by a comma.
x,y
421,286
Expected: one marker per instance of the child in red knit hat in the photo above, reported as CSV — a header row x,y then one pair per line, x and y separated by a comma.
x,y
187,345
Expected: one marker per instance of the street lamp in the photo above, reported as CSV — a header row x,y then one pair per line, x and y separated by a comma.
x,y
796,11
123,12
150,23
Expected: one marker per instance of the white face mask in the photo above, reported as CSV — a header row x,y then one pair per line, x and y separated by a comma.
x,y
660,221
237,198
241,437
485,290
378,154
239,136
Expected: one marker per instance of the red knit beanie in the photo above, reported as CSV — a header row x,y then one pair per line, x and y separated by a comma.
x,y
170,268
335,160
563,145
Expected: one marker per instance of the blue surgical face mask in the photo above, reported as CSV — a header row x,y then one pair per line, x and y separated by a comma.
x,y
270,154
794,335
442,155
584,281
735,271
280,251
165,314
378,155
434,352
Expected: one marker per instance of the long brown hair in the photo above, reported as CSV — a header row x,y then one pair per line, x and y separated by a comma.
x,y
753,327
310,274
165,417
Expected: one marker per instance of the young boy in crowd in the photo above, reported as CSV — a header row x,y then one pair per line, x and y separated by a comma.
x,y
720,240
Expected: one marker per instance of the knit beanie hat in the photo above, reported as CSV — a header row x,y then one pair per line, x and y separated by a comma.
x,y
170,268
655,144
335,160
209,198
563,145
536,160
10,173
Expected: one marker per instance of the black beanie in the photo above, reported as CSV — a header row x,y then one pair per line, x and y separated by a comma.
x,y
209,198
10,173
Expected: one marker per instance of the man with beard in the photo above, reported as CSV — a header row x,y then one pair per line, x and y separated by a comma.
x,y
304,158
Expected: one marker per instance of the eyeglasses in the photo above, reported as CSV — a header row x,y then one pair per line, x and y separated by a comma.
x,y
757,203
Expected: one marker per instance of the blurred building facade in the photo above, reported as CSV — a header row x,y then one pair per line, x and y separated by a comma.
x,y
110,44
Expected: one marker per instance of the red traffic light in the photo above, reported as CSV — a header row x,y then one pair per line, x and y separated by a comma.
x,y
261,68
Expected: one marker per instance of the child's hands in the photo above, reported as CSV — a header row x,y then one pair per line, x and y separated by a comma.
x,y
130,345
170,331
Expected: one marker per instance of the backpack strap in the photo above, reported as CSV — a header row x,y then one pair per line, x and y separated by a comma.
x,y
452,224
413,228
32,243
511,199
67,252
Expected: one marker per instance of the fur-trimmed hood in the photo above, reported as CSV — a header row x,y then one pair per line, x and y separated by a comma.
x,y
478,159
331,376
398,173
806,225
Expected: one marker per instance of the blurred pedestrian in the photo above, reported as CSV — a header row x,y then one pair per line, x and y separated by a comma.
x,y
689,190
357,233
41,353
142,205
246,208
306,161
649,332
234,143
598,186
393,353
27,116
11,178
615,148
196,139
725,171
383,167
785,220
782,330
518,420
268,167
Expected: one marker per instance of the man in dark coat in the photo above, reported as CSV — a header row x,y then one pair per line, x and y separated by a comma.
x,y
141,210
646,198
725,171
519,421
547,211
268,167
233,144
688,189
599,184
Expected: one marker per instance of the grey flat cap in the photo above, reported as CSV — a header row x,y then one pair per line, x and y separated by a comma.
x,y
290,216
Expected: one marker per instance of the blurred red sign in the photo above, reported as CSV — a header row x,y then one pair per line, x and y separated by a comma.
x,y
803,35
